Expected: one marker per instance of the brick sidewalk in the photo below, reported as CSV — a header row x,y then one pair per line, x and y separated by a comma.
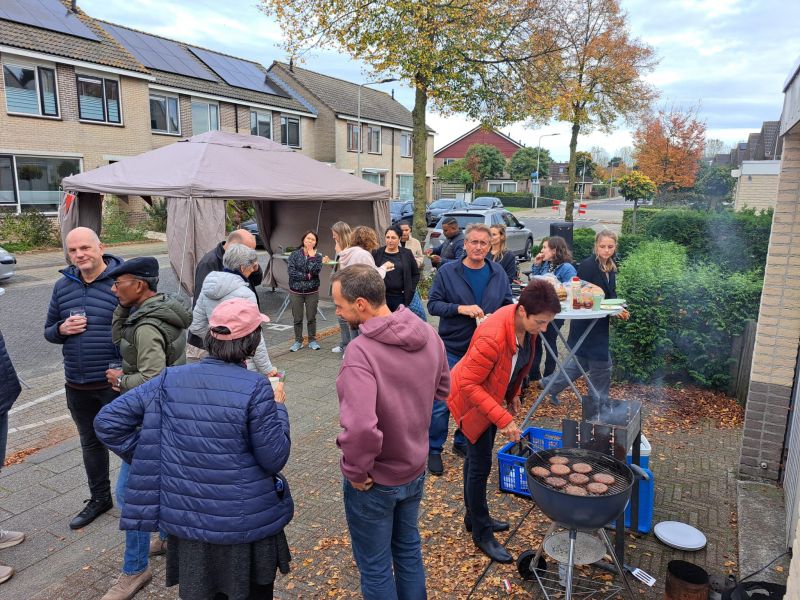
x,y
695,483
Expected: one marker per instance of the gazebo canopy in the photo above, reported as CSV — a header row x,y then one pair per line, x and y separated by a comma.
x,y
291,192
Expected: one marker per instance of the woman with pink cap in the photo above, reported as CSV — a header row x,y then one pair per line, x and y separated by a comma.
x,y
206,443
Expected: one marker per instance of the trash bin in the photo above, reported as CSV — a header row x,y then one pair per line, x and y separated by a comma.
x,y
564,230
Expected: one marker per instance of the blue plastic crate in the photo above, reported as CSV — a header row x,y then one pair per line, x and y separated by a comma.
x,y
512,467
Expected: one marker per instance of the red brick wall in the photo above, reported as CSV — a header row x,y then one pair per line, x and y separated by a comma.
x,y
481,136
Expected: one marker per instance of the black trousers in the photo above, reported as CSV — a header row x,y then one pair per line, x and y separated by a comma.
x,y
477,466
551,335
83,406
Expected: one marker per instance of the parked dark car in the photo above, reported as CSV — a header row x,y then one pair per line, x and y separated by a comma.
x,y
401,210
519,239
439,207
252,227
486,202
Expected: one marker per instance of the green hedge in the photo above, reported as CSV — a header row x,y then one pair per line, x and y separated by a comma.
x,y
599,190
643,215
582,244
519,199
684,316
735,241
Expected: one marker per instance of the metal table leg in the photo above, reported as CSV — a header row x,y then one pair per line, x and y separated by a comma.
x,y
283,308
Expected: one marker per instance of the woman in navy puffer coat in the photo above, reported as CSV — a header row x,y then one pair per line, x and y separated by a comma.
x,y
206,443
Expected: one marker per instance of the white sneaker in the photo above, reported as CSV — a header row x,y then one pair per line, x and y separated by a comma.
x,y
336,349
6,573
10,538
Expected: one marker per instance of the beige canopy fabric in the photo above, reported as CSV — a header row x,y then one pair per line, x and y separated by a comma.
x,y
292,193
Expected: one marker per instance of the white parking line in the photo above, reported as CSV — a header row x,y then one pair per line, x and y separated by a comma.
x,y
37,401
38,424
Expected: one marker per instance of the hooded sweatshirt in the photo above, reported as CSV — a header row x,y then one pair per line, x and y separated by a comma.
x,y
218,287
389,377
356,255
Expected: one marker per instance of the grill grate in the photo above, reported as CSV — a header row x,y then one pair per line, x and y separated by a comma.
x,y
603,465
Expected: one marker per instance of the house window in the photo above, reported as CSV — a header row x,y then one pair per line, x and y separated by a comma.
x,y
376,178
205,117
39,180
510,187
164,114
7,193
261,123
405,187
353,142
501,186
405,145
374,140
98,99
31,90
290,131
449,161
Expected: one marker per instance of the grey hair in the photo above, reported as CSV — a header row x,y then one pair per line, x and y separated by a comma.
x,y
238,256
361,281
482,227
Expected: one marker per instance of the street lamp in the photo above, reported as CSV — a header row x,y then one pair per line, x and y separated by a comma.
x,y
358,117
538,150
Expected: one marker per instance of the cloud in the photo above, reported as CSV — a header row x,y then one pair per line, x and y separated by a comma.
x,y
730,57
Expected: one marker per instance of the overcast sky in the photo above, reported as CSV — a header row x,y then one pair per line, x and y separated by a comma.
x,y
729,57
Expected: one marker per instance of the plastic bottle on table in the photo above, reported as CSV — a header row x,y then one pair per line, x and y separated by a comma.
x,y
575,293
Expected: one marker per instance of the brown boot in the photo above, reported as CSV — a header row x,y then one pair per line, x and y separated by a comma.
x,y
127,585
5,573
157,546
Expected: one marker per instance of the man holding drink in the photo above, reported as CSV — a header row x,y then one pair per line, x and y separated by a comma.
x,y
79,318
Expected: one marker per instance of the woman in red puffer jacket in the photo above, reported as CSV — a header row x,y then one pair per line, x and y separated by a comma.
x,y
484,397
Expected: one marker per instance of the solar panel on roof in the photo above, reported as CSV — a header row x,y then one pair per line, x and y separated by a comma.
x,y
237,72
158,53
46,14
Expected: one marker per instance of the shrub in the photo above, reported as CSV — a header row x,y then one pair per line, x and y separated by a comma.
x,y
712,307
647,280
157,215
599,190
115,227
683,316
643,215
425,283
735,241
582,244
552,192
627,244
30,229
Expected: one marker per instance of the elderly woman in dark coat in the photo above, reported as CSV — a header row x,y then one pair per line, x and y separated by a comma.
x,y
206,443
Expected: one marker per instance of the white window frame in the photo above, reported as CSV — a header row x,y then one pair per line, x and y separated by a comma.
x,y
299,130
102,77
35,154
165,96
28,64
371,129
353,127
502,184
262,113
409,136
208,103
449,161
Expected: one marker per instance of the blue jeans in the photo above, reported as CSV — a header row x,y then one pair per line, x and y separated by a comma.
x,y
384,534
3,438
440,420
137,543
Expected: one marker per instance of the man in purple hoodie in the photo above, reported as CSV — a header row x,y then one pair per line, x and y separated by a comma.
x,y
389,377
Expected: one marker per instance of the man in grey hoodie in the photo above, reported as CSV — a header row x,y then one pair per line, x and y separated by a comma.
x,y
385,414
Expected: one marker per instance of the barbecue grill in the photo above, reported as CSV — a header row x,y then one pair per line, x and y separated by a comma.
x,y
577,513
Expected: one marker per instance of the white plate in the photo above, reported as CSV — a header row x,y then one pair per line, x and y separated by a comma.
x,y
680,535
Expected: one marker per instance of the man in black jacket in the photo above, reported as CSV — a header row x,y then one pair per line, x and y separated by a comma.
x,y
212,261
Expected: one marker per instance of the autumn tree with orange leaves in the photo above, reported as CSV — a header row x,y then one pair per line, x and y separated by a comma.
x,y
668,148
468,56
598,72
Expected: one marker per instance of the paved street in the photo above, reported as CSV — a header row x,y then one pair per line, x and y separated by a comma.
x,y
600,214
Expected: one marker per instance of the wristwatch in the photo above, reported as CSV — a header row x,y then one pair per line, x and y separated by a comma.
x,y
119,381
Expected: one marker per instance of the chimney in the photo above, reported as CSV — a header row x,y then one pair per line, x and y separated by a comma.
x,y
392,93
291,64
74,7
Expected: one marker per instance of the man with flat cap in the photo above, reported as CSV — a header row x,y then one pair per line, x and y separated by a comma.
x,y
212,261
150,330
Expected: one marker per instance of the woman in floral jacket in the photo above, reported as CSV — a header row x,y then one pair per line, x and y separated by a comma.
x,y
305,264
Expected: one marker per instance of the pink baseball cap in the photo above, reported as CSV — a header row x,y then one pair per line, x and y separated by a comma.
x,y
241,316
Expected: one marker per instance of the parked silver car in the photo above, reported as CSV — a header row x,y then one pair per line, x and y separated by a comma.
x,y
519,238
8,264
